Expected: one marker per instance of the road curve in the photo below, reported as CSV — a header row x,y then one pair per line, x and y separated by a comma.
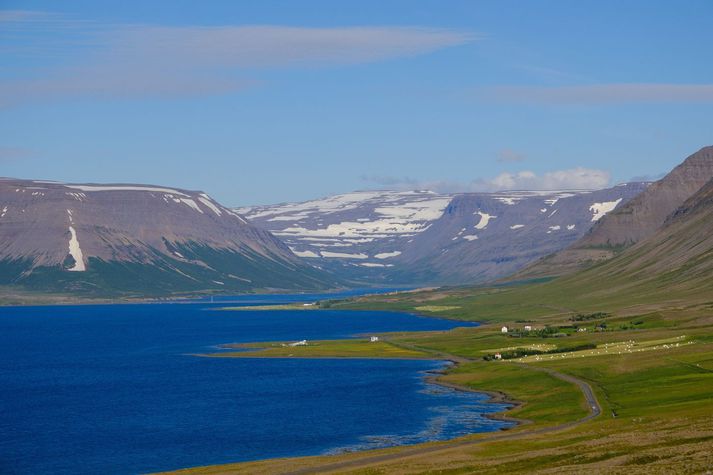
x,y
592,405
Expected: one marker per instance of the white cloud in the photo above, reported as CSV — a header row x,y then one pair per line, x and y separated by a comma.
x,y
602,93
571,179
129,60
575,178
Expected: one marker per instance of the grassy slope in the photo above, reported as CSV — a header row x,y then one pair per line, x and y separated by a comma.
x,y
204,270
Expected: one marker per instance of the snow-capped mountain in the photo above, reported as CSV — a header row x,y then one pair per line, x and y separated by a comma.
x,y
426,237
357,226
152,239
483,237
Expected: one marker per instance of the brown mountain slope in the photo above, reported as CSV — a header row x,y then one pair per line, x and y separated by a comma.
x,y
638,219
142,239
676,260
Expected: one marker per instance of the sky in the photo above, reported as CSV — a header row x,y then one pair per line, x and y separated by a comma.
x,y
273,101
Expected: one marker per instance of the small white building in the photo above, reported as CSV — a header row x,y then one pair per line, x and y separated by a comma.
x,y
374,339
504,330
299,343
528,328
498,356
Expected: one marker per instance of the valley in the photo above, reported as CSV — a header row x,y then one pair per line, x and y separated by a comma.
x,y
610,364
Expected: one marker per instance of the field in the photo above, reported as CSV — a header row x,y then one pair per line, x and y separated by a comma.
x,y
650,366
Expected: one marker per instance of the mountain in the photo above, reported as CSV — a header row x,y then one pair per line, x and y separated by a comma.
x,y
676,261
141,239
353,234
638,219
421,237
482,237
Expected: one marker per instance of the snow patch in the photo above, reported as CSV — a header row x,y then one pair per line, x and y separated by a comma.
x,y
517,226
470,237
124,188
484,219
571,227
386,255
508,200
205,199
304,253
600,209
190,203
76,196
76,252
342,255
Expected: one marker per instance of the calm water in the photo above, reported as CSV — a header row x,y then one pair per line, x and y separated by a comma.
x,y
111,389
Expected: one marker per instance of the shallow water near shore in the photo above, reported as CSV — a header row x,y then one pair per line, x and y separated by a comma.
x,y
113,389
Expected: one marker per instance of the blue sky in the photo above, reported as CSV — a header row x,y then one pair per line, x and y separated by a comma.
x,y
270,101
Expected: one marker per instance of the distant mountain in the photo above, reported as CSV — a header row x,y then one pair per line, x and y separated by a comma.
x,y
355,234
145,240
676,261
421,237
638,219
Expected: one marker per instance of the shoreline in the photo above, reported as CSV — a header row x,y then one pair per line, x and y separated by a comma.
x,y
430,377
49,300
495,397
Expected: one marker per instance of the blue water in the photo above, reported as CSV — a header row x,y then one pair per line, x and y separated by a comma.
x,y
113,389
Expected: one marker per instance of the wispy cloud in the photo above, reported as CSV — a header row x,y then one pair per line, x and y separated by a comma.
x,y
508,155
126,60
14,153
602,93
570,179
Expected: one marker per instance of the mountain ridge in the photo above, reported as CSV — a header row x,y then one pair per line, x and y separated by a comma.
x,y
636,220
105,237
422,237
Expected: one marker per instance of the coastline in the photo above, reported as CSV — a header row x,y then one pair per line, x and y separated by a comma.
x,y
31,299
430,377
495,397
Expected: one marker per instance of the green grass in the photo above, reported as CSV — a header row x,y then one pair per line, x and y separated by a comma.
x,y
548,400
263,308
352,348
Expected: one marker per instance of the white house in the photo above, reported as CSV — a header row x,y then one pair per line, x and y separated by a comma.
x,y
504,330
498,356
528,328
374,339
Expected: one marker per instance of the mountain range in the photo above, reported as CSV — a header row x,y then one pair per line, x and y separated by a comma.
x,y
147,240
421,237
141,239
636,220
